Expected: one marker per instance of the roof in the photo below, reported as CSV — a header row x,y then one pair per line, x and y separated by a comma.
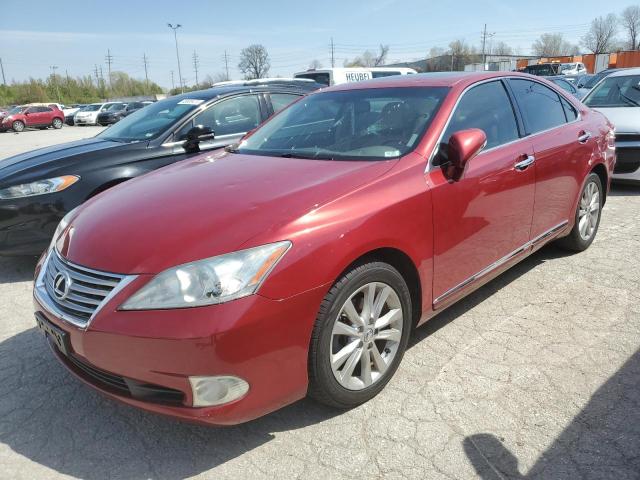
x,y
229,88
626,72
437,79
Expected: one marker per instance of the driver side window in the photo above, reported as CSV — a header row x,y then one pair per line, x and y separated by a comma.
x,y
233,116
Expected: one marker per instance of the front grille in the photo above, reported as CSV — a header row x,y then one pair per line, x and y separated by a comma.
x,y
86,289
118,385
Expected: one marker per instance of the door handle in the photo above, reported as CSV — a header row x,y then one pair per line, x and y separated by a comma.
x,y
524,164
584,137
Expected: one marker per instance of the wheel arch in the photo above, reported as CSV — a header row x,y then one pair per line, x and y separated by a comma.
x,y
601,171
106,186
401,262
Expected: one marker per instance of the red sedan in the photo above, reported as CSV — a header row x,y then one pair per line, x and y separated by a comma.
x,y
227,286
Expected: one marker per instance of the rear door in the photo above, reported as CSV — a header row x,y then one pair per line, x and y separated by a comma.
x,y
560,144
483,218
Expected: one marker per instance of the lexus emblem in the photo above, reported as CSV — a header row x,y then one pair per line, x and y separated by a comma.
x,y
61,285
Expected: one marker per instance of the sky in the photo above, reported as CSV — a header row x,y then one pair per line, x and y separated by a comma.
x,y
75,36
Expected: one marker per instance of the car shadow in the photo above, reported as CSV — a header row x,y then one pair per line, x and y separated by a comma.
x,y
602,441
17,269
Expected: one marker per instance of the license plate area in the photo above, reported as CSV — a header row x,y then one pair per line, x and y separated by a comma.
x,y
58,336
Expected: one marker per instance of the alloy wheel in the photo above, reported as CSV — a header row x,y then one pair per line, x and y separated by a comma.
x,y
18,126
589,211
366,335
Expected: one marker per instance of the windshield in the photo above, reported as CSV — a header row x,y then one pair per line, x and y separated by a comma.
x,y
616,92
151,121
367,124
15,110
567,66
115,107
92,108
320,77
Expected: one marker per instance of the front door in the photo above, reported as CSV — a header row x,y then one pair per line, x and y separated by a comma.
x,y
484,217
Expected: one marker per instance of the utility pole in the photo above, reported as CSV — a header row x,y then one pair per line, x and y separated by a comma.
x,y
145,60
332,53
484,42
195,65
4,80
95,71
173,84
53,79
109,59
226,63
175,36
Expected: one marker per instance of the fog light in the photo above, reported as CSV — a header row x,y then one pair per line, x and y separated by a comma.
x,y
209,391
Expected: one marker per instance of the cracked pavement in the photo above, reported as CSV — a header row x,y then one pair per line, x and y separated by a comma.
x,y
535,375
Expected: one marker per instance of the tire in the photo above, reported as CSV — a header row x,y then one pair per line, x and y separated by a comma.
x,y
584,231
349,382
57,123
17,126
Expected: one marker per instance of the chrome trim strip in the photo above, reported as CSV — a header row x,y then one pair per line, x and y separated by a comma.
x,y
44,299
501,261
430,165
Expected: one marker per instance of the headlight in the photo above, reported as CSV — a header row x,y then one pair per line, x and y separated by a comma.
x,y
50,185
64,223
209,281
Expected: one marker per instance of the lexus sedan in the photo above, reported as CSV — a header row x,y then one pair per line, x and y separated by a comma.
x,y
38,188
618,97
298,262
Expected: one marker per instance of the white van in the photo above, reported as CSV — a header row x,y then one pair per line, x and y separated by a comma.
x,y
335,76
575,68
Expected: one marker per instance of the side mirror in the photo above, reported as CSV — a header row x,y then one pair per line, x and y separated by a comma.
x,y
462,147
195,136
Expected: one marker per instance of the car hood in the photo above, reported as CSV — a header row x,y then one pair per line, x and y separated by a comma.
x,y
203,207
625,119
49,158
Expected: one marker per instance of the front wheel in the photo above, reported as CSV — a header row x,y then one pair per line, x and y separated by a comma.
x,y
17,126
57,123
360,335
587,219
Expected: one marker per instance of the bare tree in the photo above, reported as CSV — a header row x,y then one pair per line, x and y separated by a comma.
x,y
254,62
552,45
502,48
315,65
436,52
630,22
460,54
601,35
369,59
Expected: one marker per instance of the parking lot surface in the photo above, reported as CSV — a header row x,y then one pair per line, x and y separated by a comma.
x,y
12,143
536,375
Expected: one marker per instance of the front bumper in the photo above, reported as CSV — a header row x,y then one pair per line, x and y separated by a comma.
x,y
627,158
263,341
85,121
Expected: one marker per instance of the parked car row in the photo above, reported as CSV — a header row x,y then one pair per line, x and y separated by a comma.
x,y
297,260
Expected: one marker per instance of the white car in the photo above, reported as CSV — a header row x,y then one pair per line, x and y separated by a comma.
x,y
618,97
89,114
336,76
575,68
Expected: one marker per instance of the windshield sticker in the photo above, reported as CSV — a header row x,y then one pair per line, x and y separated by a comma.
x,y
190,101
392,153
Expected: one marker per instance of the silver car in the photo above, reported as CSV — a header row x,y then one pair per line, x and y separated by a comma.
x,y
618,97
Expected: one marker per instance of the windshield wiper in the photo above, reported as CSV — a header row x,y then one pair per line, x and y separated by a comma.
x,y
627,98
316,156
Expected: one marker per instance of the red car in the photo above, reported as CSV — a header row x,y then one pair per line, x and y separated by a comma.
x,y
37,116
224,287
